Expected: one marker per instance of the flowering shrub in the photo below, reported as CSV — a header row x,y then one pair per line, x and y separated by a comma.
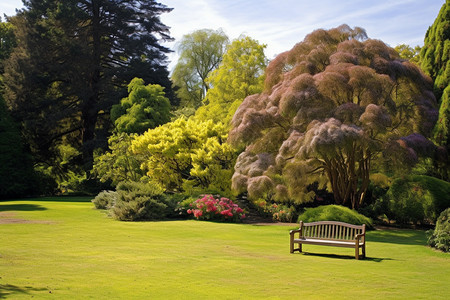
x,y
210,208
278,212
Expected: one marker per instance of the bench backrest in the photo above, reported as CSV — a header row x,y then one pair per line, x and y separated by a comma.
x,y
331,230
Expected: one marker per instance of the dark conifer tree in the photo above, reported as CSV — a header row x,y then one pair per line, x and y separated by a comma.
x,y
72,63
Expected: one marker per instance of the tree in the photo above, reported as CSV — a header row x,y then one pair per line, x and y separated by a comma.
x,y
7,42
119,163
187,155
146,107
200,53
409,53
435,61
331,106
71,64
434,56
16,165
240,74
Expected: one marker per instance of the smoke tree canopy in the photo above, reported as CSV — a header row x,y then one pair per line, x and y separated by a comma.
x,y
331,106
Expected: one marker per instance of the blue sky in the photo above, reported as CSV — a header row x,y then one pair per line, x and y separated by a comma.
x,y
280,24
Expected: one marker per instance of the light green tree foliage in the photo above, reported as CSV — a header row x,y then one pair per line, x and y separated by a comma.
x,y
240,74
7,41
119,164
409,53
145,107
200,53
188,155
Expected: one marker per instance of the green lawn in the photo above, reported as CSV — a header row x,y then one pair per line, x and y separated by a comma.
x,y
65,249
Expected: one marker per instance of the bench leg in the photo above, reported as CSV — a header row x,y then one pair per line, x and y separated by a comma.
x,y
364,251
300,247
357,252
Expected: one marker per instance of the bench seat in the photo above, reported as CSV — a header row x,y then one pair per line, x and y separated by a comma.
x,y
347,244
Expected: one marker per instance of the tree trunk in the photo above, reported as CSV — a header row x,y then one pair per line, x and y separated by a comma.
x,y
90,106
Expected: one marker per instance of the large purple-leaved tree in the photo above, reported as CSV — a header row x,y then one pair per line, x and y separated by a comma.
x,y
332,106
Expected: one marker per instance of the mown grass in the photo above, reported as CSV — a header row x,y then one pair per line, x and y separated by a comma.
x,y
65,249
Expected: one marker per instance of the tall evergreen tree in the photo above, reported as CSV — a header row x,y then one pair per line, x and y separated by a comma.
x,y
72,63
434,55
435,61
16,169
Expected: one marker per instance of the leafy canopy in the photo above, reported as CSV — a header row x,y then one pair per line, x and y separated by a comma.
x,y
187,155
72,62
200,53
331,106
146,107
240,74
119,163
434,56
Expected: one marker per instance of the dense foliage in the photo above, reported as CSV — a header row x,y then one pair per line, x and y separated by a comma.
x,y
409,53
119,163
17,177
138,201
334,213
187,155
435,53
240,74
200,53
331,107
440,237
146,107
105,199
435,61
71,64
417,199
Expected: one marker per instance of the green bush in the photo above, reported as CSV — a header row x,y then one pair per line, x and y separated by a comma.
x,y
105,199
334,213
139,201
440,237
417,199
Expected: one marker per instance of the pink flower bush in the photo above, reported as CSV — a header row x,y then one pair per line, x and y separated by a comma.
x,y
210,208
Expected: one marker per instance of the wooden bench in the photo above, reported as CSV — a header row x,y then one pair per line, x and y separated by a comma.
x,y
330,233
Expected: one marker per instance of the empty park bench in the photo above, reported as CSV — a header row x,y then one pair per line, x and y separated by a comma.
x,y
330,233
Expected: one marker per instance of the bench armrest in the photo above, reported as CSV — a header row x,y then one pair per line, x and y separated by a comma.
x,y
359,236
294,231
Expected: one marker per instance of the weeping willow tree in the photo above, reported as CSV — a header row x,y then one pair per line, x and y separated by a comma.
x,y
332,106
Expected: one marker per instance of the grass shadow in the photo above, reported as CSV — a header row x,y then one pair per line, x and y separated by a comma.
x,y
7,290
398,236
21,207
54,199
345,257
64,199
